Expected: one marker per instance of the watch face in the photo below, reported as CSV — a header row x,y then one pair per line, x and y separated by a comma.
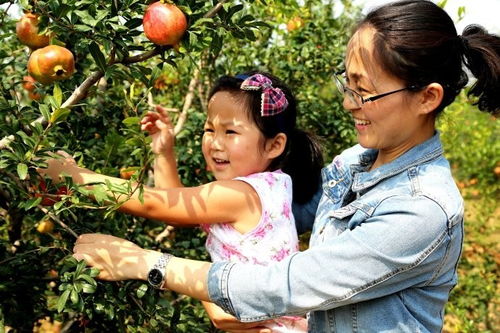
x,y
155,277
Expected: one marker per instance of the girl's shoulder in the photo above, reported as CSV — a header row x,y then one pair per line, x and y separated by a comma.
x,y
268,180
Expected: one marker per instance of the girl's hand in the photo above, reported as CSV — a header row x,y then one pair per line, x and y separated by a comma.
x,y
61,163
116,258
160,128
227,323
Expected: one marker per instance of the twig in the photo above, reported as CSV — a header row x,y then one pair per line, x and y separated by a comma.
x,y
213,11
165,233
152,104
187,102
55,218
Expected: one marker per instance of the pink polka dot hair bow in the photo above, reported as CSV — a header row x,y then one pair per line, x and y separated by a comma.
x,y
273,99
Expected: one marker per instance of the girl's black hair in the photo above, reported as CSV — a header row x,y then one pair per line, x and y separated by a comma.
x,y
302,158
416,40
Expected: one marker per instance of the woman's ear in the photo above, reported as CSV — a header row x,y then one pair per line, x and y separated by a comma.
x,y
276,145
432,95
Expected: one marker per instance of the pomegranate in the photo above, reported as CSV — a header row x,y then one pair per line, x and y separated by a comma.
x,y
51,63
28,83
164,24
27,32
29,86
295,23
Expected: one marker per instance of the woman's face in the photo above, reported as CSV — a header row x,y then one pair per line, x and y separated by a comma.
x,y
391,124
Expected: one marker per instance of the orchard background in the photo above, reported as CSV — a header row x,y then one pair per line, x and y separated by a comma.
x,y
94,115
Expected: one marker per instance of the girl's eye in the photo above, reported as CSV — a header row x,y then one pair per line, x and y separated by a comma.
x,y
208,130
230,132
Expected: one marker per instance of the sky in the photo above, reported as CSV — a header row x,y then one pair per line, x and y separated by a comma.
x,y
482,12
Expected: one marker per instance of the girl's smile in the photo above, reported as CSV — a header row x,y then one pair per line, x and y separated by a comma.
x,y
232,145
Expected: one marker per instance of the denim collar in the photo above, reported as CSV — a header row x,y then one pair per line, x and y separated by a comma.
x,y
419,154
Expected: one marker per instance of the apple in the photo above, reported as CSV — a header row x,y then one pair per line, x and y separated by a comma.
x,y
164,24
27,32
51,63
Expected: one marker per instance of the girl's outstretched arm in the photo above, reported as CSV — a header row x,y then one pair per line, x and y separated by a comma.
x,y
216,202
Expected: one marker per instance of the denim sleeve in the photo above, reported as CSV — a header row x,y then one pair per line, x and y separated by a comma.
x,y
304,214
392,250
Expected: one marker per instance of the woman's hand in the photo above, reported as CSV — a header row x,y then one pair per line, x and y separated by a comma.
x,y
160,128
116,258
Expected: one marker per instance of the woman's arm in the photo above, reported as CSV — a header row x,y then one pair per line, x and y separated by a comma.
x,y
216,202
119,259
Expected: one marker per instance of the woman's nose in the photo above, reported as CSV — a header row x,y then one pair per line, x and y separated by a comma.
x,y
349,104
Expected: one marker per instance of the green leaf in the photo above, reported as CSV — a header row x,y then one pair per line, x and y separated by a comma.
x,y
33,202
44,110
61,303
88,288
141,291
94,272
98,56
59,115
87,278
74,296
131,121
58,95
22,171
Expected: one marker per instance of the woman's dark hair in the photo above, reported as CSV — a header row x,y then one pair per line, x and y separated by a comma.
x,y
416,40
302,157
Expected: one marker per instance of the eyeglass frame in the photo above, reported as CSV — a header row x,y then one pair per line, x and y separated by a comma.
x,y
353,93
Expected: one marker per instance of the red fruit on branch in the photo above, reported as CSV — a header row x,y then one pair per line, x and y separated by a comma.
x,y
49,199
27,32
164,24
28,83
29,86
51,63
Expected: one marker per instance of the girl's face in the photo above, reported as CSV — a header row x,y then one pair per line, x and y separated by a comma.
x,y
232,144
393,123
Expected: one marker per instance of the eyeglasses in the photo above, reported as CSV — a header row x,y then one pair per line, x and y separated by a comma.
x,y
355,97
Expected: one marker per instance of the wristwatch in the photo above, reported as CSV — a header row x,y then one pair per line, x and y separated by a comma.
x,y
157,274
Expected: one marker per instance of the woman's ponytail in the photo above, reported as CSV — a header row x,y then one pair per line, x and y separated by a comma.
x,y
482,57
303,163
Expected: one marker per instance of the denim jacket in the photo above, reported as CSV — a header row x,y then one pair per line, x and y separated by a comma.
x,y
383,252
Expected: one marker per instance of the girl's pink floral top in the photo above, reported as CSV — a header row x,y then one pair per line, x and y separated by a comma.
x,y
274,237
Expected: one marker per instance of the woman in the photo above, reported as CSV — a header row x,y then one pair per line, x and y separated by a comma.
x,y
389,223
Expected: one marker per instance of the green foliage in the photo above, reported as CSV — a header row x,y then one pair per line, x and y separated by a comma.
x,y
94,115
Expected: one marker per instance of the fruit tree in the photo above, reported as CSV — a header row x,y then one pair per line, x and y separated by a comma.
x,y
95,69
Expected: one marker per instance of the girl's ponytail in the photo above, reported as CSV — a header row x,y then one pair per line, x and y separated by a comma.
x,y
303,162
482,57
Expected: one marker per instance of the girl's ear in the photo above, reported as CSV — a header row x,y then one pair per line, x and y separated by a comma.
x,y
276,145
431,98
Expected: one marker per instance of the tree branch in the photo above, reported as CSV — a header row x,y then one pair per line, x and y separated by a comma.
x,y
187,102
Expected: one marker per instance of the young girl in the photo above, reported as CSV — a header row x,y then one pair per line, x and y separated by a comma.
x,y
251,145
